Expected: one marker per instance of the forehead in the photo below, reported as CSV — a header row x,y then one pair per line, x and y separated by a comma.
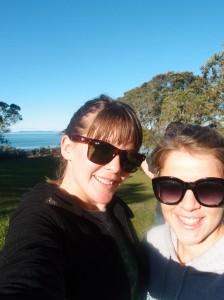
x,y
190,166
114,129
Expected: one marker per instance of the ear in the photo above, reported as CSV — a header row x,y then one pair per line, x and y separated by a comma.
x,y
66,147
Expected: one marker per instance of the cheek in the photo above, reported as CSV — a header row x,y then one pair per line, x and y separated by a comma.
x,y
83,167
79,163
215,214
80,156
167,209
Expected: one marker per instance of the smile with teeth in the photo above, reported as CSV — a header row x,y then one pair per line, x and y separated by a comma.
x,y
104,181
190,221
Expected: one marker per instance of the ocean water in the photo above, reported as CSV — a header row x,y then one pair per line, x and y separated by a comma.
x,y
34,139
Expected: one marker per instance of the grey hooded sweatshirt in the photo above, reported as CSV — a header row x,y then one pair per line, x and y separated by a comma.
x,y
200,279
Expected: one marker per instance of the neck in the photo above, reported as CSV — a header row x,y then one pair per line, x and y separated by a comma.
x,y
187,253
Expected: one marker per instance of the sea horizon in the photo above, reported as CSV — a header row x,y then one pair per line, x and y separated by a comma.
x,y
34,139
20,131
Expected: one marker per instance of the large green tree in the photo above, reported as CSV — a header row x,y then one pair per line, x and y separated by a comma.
x,y
147,99
180,96
9,115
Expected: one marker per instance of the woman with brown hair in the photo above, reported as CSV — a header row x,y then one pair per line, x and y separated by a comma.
x,y
72,238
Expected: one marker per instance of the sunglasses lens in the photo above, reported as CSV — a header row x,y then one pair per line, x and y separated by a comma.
x,y
168,191
210,193
130,161
100,153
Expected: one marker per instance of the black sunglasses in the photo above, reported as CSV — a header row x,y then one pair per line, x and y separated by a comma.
x,y
101,153
171,190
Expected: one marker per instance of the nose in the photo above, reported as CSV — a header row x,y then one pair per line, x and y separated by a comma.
x,y
114,165
189,201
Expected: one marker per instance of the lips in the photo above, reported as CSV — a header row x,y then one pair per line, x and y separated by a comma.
x,y
104,181
190,221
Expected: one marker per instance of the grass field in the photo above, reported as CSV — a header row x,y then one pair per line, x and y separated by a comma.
x,y
20,175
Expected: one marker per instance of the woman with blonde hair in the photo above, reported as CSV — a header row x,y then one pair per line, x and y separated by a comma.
x,y
185,255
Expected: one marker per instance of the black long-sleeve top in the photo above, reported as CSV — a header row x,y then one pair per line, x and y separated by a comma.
x,y
55,250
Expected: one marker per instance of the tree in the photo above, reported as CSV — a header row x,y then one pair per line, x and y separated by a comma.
x,y
213,73
181,96
213,69
187,107
147,99
9,115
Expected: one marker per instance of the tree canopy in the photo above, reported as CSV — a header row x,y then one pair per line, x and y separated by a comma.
x,y
9,115
180,96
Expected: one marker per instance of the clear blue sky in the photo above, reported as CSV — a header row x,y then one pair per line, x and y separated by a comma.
x,y
56,54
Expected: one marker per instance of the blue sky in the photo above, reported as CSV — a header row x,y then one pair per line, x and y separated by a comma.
x,y
57,54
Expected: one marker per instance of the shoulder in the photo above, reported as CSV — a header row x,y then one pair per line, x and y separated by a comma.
x,y
159,238
38,194
51,196
42,206
156,233
32,211
120,207
35,199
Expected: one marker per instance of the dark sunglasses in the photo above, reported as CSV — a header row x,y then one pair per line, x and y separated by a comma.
x,y
207,191
101,153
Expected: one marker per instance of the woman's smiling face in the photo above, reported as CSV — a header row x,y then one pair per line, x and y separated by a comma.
x,y
92,183
193,223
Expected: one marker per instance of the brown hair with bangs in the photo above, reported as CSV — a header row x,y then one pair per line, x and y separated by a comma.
x,y
105,119
108,120
192,138
117,123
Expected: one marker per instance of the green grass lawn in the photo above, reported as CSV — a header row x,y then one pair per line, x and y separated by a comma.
x,y
20,175
137,193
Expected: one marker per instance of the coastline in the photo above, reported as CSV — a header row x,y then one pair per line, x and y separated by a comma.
x,y
29,140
